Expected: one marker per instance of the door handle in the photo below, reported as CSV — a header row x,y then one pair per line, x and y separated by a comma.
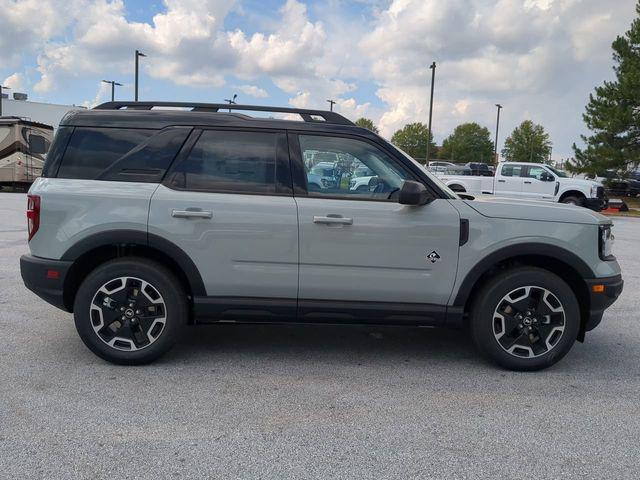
x,y
527,182
501,181
188,213
333,220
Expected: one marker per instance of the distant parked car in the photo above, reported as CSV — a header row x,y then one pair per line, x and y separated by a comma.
x,y
439,166
619,184
479,168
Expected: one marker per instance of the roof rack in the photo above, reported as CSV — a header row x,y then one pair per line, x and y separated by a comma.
x,y
314,116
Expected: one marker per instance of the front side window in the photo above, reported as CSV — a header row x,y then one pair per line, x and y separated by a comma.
x,y
225,161
535,172
349,168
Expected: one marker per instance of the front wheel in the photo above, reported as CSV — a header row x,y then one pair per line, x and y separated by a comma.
x,y
130,311
525,319
572,200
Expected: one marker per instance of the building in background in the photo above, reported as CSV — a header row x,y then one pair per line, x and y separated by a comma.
x,y
17,105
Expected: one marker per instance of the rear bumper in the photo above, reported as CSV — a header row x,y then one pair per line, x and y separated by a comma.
x,y
599,302
596,204
45,278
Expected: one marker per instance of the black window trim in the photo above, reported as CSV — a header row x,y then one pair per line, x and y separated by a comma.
x,y
282,161
300,178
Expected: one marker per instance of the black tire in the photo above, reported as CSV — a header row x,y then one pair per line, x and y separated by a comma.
x,y
573,200
485,327
173,308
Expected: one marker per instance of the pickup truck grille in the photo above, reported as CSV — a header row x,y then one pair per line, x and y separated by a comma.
x,y
600,192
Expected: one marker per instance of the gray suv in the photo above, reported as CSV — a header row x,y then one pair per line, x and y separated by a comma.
x,y
148,219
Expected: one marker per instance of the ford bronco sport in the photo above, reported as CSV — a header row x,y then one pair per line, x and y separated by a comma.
x,y
148,219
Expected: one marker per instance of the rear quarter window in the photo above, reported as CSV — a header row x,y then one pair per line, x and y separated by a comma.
x,y
119,154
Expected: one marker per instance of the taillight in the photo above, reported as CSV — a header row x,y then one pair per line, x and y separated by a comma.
x,y
33,214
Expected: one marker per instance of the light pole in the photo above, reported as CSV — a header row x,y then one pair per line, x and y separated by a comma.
x,y
331,104
232,100
1,88
433,80
113,84
495,146
138,55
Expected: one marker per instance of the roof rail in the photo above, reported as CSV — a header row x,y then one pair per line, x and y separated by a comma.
x,y
317,116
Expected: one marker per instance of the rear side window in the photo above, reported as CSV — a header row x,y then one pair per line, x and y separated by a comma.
x,y
226,161
511,170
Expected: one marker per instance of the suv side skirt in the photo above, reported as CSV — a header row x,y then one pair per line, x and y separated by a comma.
x,y
286,310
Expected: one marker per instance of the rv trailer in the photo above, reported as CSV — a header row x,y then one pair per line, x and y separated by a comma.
x,y
23,145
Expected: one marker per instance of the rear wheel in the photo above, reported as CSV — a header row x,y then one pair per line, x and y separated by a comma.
x,y
525,319
130,311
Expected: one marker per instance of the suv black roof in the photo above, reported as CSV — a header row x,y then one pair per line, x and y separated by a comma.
x,y
157,115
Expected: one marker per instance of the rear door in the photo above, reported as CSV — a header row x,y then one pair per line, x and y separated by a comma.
x,y
508,180
533,187
362,254
227,203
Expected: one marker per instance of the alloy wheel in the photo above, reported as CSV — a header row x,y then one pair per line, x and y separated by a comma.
x,y
128,313
529,322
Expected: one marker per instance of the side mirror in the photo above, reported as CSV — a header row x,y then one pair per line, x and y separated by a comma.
x,y
546,177
414,193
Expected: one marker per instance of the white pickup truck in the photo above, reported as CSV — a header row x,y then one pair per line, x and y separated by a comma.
x,y
529,181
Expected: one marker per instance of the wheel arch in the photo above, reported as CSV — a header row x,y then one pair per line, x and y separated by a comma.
x,y
96,249
571,193
567,265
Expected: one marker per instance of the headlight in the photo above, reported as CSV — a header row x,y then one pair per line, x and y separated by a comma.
x,y
606,243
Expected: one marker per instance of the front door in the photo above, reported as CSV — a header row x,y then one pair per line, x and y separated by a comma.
x,y
535,186
225,206
362,254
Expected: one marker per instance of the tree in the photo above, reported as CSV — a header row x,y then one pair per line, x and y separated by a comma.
x,y
367,123
613,113
413,138
469,142
527,143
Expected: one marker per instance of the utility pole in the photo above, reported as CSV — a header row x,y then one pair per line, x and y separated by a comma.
x,y
232,100
331,104
138,55
433,79
1,88
113,84
495,145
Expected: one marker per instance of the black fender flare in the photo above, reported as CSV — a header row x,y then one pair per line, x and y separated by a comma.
x,y
513,251
138,237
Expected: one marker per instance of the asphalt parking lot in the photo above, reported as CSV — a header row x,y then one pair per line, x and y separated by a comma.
x,y
311,402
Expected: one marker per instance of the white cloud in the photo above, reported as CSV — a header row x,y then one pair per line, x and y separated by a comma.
x,y
253,91
15,82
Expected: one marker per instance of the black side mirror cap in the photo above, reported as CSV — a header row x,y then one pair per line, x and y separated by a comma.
x,y
414,193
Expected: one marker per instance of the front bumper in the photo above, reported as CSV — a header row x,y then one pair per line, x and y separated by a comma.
x,y
596,204
45,278
599,302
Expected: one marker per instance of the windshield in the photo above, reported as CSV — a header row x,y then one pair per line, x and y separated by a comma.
x,y
560,173
431,176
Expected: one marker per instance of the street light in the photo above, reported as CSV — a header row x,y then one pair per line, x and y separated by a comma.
x,y
331,104
495,146
113,84
432,67
138,55
231,101
5,88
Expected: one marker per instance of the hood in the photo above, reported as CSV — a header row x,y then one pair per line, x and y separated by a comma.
x,y
580,181
509,208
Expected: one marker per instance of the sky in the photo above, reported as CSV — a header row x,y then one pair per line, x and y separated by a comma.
x,y
540,59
